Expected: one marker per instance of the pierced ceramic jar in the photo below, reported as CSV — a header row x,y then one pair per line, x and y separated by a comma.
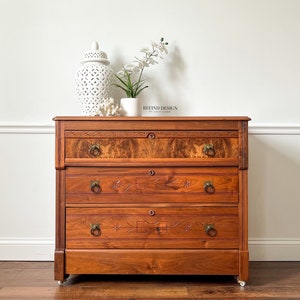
x,y
93,80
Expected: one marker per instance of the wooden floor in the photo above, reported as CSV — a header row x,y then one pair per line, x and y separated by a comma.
x,y
34,280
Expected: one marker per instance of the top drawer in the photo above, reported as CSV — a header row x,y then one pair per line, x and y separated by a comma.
x,y
151,144
144,141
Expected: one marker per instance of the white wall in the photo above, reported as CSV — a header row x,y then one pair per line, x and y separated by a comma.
x,y
226,57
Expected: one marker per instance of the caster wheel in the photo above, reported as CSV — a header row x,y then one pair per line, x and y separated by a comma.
x,y
242,283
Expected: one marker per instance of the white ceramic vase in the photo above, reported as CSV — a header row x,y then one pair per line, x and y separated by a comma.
x,y
130,107
93,80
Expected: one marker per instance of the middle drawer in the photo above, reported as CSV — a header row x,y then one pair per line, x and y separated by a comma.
x,y
151,185
152,227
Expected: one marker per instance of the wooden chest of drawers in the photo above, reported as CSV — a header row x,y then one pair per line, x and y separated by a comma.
x,y
151,195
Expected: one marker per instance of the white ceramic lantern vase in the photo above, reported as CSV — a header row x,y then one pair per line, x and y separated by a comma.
x,y
93,80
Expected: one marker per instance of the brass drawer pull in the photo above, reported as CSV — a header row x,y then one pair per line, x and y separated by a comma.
x,y
151,172
151,212
94,150
95,230
95,187
209,188
209,150
210,230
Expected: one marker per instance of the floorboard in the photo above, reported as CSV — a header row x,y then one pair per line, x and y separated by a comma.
x,y
34,280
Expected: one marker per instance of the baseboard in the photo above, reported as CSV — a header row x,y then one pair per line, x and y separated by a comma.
x,y
274,249
43,249
27,249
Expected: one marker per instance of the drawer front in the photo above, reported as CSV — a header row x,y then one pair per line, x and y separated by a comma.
x,y
164,261
153,227
151,185
151,144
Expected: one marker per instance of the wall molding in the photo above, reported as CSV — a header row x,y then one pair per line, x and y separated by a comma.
x,y
46,128
274,249
42,249
26,128
274,129
31,249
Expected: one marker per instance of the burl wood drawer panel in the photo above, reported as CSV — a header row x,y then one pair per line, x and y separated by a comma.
x,y
154,185
132,261
151,144
152,227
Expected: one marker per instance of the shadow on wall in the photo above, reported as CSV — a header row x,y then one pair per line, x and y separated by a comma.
x,y
173,70
166,80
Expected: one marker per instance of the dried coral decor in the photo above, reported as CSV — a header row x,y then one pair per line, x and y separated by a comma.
x,y
151,195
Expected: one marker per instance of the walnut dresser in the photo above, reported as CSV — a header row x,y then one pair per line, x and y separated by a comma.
x,y
151,195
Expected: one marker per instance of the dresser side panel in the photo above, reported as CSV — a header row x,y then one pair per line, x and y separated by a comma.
x,y
243,145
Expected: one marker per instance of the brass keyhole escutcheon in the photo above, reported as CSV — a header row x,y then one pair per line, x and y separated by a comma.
x,y
151,212
151,172
151,136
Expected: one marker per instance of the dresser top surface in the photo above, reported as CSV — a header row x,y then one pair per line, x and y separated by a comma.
x,y
150,118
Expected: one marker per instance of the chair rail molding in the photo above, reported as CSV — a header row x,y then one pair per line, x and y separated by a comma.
x,y
26,128
274,129
48,128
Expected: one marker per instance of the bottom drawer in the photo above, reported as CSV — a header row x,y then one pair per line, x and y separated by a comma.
x,y
152,227
167,262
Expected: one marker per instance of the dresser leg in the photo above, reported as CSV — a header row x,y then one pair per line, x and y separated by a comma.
x,y
59,267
